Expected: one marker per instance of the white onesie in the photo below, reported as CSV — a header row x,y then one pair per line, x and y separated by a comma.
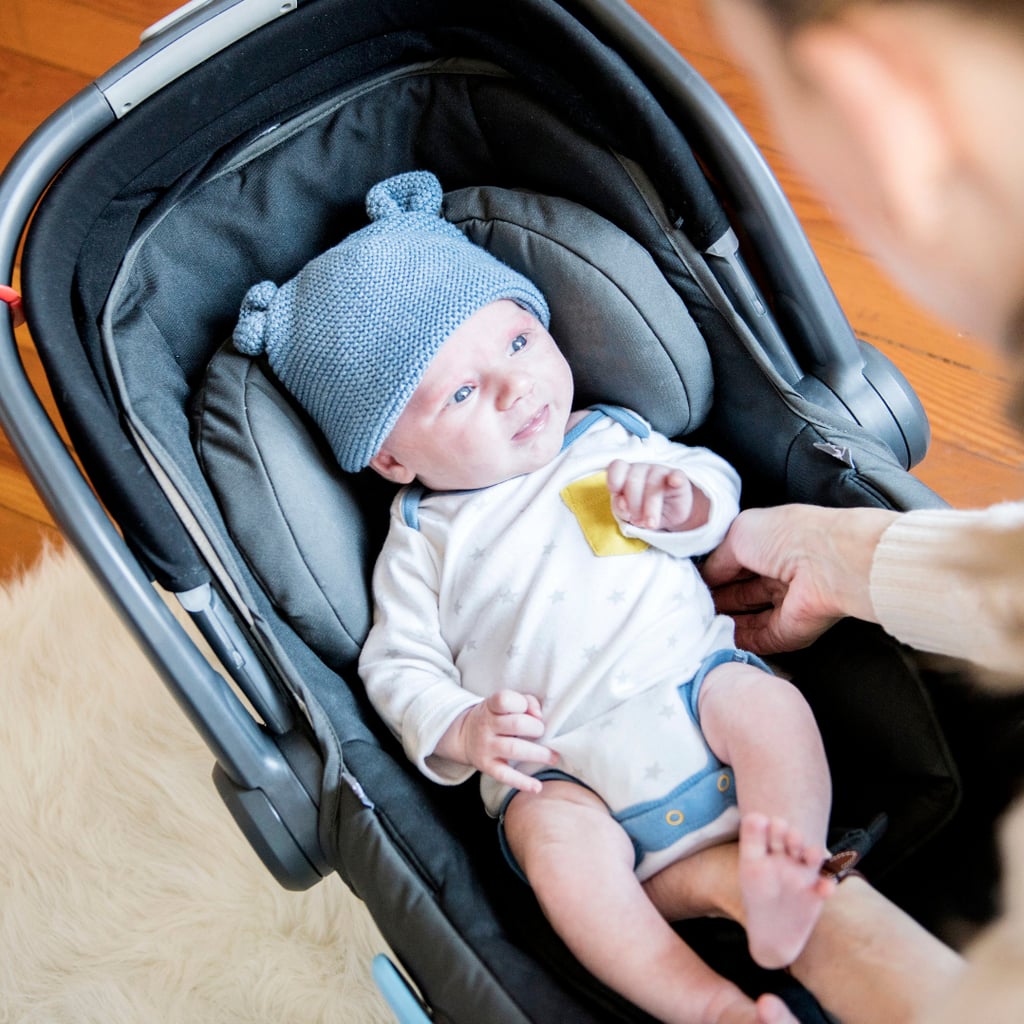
x,y
532,585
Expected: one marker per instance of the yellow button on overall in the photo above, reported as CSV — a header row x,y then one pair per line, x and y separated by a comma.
x,y
674,817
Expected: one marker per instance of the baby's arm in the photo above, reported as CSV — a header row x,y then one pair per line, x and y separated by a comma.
x,y
492,734
656,497
406,665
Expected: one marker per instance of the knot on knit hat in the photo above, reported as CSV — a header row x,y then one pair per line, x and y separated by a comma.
x,y
351,335
414,192
250,331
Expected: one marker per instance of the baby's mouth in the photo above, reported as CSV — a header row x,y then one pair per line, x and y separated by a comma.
x,y
534,425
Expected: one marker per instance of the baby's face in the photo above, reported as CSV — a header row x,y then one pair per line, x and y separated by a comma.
x,y
493,404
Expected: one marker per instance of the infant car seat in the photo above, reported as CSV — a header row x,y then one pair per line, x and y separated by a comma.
x,y
239,142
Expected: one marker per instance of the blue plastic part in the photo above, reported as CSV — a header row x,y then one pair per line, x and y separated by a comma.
x,y
395,989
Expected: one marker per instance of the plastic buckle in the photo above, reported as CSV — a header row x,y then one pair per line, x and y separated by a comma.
x,y
13,300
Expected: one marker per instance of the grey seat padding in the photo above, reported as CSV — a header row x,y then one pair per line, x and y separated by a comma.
x,y
289,509
299,521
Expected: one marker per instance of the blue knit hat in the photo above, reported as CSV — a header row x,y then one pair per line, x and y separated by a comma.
x,y
351,335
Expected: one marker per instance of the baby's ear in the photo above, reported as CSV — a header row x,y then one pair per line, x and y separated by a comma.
x,y
390,468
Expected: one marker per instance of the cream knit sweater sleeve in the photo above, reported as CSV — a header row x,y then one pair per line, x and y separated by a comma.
x,y
927,591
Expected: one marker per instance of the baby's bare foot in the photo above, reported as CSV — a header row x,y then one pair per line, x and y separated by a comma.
x,y
782,888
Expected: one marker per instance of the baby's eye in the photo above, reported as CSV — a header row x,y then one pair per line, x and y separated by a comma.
x,y
462,394
519,342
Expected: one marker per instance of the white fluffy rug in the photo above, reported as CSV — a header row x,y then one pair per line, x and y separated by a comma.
x,y
127,894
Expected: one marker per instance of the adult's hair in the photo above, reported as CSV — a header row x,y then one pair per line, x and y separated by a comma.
x,y
792,14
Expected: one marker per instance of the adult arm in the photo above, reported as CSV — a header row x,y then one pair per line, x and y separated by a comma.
x,y
949,582
790,572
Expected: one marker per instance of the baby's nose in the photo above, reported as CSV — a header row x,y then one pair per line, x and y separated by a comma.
x,y
512,388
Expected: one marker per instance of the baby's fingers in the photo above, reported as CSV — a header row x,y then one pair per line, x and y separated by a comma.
x,y
506,702
509,776
626,483
533,706
640,497
617,472
519,751
520,713
526,726
512,702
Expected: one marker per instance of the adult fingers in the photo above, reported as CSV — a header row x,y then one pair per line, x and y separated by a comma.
x,y
748,595
723,565
777,630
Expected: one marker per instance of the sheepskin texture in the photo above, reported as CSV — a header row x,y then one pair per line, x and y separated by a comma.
x,y
127,892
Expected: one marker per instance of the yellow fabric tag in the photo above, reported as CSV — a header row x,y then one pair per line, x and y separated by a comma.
x,y
591,503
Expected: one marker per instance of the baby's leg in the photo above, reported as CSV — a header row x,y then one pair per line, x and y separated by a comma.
x,y
580,864
762,727
866,960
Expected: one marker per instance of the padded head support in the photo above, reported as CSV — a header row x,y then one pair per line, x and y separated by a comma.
x,y
300,522
292,513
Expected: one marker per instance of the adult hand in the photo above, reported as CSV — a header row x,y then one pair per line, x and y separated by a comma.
x,y
786,574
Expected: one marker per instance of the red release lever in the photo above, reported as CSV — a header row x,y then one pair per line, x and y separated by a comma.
x,y
13,300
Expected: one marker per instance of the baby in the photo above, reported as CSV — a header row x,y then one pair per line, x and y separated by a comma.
x,y
538,616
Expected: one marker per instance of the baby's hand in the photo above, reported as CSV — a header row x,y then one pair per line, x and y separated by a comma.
x,y
655,497
500,730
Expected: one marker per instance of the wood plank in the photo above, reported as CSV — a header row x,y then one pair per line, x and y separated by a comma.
x,y
22,538
37,377
19,494
972,479
81,37
979,424
29,93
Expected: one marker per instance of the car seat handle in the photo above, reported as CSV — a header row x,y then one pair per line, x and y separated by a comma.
x,y
831,368
181,41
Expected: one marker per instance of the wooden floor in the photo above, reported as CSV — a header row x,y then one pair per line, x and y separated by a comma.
x,y
50,49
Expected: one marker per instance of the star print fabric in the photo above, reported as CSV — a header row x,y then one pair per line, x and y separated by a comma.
x,y
498,589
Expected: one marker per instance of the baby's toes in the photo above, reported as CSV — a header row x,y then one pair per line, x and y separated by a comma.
x,y
778,835
754,835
